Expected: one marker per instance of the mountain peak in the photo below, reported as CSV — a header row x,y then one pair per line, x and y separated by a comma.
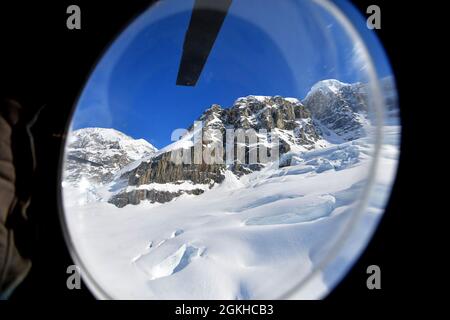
x,y
96,154
331,85
339,107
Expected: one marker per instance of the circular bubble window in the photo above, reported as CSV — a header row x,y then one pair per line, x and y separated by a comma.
x,y
230,150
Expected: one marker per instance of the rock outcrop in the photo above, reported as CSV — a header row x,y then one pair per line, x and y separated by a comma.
x,y
162,169
120,200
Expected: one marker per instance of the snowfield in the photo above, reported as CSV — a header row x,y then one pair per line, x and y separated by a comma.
x,y
247,238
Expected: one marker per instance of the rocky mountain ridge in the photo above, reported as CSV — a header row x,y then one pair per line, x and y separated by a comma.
x,y
330,108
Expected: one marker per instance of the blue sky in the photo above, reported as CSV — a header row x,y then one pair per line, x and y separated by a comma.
x,y
265,47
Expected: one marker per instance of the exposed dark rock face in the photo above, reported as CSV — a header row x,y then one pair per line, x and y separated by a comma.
x,y
288,118
162,169
263,113
247,113
135,197
240,169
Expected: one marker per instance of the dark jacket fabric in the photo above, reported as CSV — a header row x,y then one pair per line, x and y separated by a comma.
x,y
14,266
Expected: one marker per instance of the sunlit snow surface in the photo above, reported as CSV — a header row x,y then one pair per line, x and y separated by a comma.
x,y
247,238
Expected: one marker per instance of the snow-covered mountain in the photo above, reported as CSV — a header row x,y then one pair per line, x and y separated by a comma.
x,y
339,107
236,231
342,108
332,112
94,155
288,118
